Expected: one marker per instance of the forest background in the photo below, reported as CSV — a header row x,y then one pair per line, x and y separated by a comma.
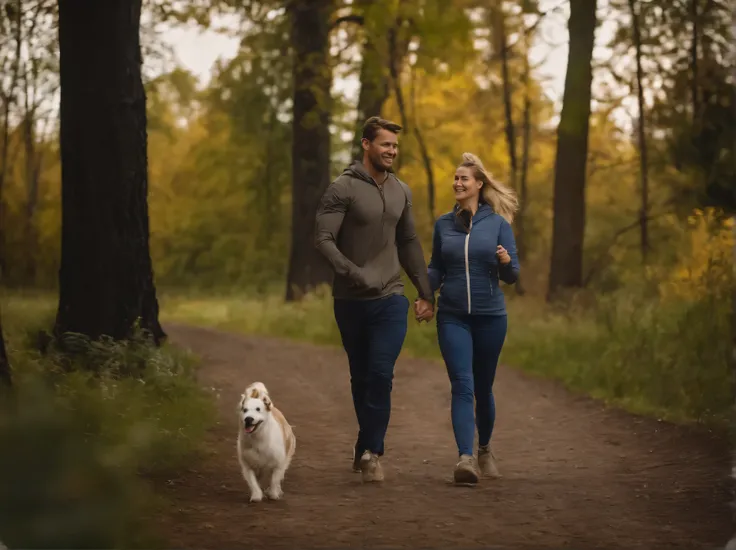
x,y
626,181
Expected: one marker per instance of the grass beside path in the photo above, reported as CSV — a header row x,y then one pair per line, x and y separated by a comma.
x,y
667,360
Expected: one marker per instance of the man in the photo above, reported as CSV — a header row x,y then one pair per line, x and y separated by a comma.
x,y
365,229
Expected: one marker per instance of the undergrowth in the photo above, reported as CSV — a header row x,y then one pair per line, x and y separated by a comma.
x,y
667,360
81,436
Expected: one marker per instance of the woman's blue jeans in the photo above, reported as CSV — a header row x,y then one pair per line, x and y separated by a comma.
x,y
471,346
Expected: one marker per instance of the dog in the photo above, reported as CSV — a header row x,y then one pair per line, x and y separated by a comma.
x,y
266,443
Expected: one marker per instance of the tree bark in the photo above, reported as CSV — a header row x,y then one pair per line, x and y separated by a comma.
x,y
731,545
5,376
15,12
498,24
310,28
694,16
106,282
566,266
643,163
526,125
375,75
374,91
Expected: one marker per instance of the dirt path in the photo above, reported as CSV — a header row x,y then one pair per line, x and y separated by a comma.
x,y
576,475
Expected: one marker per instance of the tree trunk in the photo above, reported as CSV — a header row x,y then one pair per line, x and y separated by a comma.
x,y
423,149
310,24
5,377
13,11
526,124
106,280
731,545
374,91
498,24
375,75
398,47
694,64
32,175
566,266
33,155
643,164
516,180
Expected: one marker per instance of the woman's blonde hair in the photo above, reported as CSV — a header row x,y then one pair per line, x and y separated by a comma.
x,y
502,199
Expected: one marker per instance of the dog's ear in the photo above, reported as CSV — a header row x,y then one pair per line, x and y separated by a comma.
x,y
267,402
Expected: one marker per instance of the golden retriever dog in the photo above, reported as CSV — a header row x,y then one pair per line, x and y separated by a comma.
x,y
266,443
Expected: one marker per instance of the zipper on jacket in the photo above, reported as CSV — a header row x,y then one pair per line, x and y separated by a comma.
x,y
467,263
383,197
491,277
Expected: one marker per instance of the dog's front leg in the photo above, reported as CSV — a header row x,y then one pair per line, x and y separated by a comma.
x,y
274,491
256,494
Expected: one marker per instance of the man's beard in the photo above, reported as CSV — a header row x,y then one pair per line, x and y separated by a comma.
x,y
378,165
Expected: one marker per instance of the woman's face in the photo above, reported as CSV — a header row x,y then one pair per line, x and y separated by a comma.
x,y
466,187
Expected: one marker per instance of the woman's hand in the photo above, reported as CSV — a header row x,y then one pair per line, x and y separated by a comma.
x,y
423,310
502,255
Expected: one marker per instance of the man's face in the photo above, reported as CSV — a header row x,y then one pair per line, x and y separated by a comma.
x,y
382,150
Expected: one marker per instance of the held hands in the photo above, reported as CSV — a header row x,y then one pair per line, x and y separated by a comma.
x,y
502,255
423,310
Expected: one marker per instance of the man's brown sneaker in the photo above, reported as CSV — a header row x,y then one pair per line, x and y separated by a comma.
x,y
465,471
487,463
370,467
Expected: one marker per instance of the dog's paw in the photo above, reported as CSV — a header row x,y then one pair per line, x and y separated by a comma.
x,y
274,493
256,497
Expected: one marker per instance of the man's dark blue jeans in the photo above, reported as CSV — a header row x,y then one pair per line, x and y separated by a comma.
x,y
373,332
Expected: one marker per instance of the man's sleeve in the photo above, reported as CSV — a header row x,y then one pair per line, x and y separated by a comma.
x,y
330,215
410,250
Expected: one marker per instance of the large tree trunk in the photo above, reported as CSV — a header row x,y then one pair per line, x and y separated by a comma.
x,y
566,266
5,377
643,163
106,278
732,543
310,27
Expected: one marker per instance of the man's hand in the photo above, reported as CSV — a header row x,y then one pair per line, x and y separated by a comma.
x,y
365,279
423,310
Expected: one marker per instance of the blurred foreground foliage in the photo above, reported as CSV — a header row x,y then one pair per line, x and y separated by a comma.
x,y
81,438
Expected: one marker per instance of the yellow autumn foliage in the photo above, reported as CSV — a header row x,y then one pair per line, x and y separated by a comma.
x,y
705,260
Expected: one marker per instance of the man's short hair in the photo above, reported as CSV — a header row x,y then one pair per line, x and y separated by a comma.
x,y
375,123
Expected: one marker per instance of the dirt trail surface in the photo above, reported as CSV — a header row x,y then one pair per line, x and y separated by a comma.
x,y
576,475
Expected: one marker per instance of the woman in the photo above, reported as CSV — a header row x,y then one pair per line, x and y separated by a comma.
x,y
473,248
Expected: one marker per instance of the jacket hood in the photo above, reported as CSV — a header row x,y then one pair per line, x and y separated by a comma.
x,y
358,170
462,217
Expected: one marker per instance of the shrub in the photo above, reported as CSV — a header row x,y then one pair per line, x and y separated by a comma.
x,y
79,433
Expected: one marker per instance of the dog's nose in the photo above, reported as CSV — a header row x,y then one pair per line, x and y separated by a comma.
x,y
248,420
